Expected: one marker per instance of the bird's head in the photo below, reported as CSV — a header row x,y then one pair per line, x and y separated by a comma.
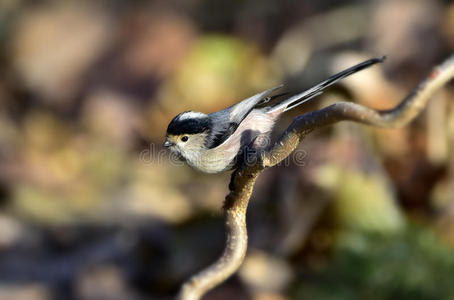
x,y
187,132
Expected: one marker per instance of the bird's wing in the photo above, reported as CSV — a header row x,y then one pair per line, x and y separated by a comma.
x,y
225,122
240,110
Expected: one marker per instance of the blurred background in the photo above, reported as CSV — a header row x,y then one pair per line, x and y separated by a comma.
x,y
91,206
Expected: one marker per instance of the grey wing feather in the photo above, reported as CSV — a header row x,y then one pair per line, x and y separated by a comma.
x,y
225,122
240,110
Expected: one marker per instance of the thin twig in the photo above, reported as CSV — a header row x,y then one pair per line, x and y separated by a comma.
x,y
243,179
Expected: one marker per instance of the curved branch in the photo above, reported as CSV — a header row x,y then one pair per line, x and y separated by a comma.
x,y
243,179
235,206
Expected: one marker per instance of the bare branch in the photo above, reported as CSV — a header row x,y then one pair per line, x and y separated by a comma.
x,y
243,179
235,207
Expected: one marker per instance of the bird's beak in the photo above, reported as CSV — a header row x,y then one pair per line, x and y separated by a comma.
x,y
167,144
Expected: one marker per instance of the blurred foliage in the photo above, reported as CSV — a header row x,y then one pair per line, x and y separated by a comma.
x,y
92,207
410,265
226,68
361,201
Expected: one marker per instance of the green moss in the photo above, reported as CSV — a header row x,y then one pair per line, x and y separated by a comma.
x,y
411,265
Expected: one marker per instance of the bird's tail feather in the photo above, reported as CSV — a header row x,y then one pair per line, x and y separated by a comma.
x,y
316,90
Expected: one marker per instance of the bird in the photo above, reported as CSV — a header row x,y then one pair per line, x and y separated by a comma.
x,y
216,142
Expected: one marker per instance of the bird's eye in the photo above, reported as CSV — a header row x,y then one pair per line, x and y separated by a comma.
x,y
184,138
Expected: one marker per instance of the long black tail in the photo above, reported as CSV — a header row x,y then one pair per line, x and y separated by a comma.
x,y
316,90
